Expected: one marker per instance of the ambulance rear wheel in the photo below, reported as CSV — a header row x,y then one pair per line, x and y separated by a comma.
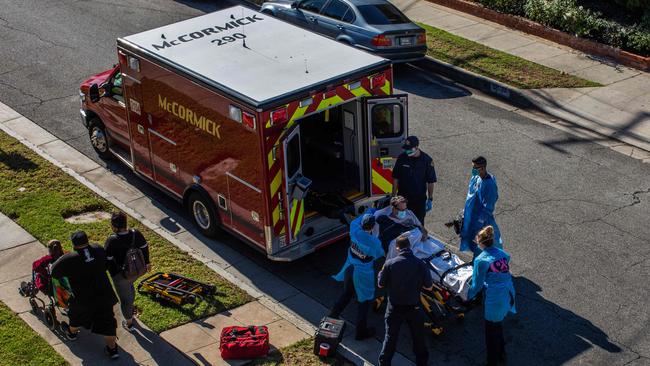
x,y
99,138
203,214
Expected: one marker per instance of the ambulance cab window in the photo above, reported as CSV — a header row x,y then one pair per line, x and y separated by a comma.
x,y
386,120
293,156
312,5
337,10
116,87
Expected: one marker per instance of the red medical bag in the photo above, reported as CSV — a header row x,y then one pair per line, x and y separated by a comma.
x,y
244,342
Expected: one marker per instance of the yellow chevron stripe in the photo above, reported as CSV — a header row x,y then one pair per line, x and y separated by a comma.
x,y
381,182
359,92
293,211
386,87
301,212
325,103
275,184
276,215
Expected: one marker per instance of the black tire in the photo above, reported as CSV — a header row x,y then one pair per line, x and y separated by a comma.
x,y
99,138
202,211
49,318
35,308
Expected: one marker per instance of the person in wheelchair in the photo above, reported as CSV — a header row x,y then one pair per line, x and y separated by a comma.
x,y
41,279
396,219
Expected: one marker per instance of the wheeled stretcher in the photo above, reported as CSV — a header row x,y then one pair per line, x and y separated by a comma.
x,y
451,280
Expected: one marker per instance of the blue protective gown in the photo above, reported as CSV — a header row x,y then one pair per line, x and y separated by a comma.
x,y
482,196
362,244
492,272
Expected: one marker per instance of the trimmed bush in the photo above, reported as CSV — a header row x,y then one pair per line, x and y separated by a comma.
x,y
515,7
567,16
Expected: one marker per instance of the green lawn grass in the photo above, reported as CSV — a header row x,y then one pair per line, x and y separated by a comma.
x,y
20,345
495,64
38,195
299,354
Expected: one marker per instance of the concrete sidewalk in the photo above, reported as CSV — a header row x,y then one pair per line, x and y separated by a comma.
x,y
620,109
18,250
197,339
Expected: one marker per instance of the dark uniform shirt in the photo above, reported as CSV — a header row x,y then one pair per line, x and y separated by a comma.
x,y
413,174
117,245
86,272
404,276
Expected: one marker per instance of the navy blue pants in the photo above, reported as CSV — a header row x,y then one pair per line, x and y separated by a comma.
x,y
343,301
418,206
494,342
395,316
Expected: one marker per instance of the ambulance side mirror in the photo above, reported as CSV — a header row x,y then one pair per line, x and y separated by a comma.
x,y
93,93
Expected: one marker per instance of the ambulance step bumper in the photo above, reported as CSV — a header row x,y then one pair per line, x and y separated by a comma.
x,y
310,245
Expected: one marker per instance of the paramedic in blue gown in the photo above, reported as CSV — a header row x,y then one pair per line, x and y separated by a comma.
x,y
492,273
413,178
482,196
358,273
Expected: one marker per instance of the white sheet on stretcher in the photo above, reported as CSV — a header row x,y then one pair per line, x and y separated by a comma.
x,y
456,281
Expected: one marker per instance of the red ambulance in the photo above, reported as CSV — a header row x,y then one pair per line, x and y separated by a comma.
x,y
256,126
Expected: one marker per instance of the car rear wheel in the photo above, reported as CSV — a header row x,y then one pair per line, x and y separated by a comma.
x,y
202,211
99,138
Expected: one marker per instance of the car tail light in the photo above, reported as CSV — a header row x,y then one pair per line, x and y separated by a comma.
x,y
422,38
381,40
377,81
248,120
279,116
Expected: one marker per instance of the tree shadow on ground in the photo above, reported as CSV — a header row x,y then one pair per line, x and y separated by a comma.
x,y
16,161
544,333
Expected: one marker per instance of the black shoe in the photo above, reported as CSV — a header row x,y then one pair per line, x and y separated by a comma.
x,y
367,333
129,328
112,352
69,335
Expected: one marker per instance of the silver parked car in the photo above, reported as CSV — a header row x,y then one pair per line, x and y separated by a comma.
x,y
376,26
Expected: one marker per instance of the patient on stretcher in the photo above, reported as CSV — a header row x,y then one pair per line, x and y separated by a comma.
x,y
447,269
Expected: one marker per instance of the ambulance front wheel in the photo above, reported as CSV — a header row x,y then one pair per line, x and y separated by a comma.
x,y
203,214
99,138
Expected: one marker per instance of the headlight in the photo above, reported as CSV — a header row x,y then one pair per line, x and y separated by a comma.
x,y
82,98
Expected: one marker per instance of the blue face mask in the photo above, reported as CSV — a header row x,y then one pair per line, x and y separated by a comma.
x,y
401,214
474,172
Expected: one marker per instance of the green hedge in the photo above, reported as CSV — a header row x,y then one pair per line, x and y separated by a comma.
x,y
567,16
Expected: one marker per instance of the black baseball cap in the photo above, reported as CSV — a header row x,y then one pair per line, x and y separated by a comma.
x,y
411,142
79,238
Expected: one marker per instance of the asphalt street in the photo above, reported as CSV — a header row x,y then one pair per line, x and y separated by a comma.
x,y
574,214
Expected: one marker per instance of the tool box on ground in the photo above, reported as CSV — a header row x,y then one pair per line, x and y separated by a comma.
x,y
328,336
175,288
244,342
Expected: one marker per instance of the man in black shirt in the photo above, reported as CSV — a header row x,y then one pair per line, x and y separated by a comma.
x,y
413,177
404,276
91,304
116,247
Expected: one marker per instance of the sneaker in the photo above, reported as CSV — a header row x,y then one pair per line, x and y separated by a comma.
x,y
361,335
69,335
129,328
112,352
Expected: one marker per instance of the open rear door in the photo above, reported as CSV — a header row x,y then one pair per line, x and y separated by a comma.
x,y
387,126
295,207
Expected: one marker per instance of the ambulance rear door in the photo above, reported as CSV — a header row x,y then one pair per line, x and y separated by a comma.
x,y
387,127
295,207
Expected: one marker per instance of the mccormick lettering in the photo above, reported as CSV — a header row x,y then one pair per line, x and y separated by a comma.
x,y
189,116
207,32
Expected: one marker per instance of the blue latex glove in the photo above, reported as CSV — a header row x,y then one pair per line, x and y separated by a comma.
x,y
429,205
